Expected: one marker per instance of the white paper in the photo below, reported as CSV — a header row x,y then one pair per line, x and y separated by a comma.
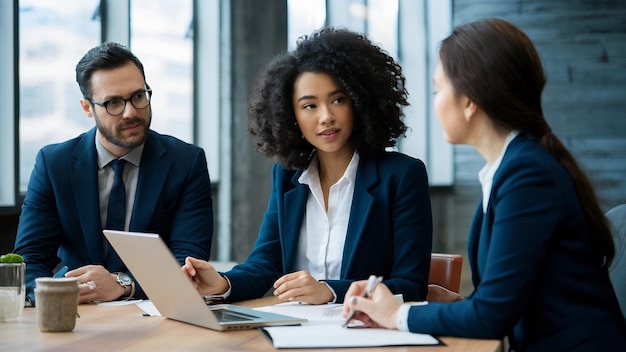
x,y
119,303
317,336
314,313
148,307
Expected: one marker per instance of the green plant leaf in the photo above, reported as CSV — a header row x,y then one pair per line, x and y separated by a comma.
x,y
11,258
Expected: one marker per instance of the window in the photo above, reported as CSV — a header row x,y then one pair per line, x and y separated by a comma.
x,y
182,65
304,17
161,37
52,38
8,192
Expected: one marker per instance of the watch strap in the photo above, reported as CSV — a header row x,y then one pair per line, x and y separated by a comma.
x,y
128,288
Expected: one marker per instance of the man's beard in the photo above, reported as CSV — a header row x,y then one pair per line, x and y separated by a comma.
x,y
115,139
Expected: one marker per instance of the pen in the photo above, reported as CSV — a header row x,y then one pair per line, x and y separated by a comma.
x,y
369,289
61,271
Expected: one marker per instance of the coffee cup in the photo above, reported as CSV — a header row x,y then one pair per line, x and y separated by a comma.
x,y
56,302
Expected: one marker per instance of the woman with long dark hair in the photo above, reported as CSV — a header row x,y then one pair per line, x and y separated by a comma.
x,y
539,246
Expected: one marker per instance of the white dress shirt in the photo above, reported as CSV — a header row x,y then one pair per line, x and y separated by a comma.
x,y
323,233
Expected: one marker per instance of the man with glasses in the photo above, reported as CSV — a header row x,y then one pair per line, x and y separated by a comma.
x,y
119,175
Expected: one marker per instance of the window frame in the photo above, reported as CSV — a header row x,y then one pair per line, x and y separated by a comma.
x,y
9,102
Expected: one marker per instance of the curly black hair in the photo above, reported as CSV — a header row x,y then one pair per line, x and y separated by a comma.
x,y
372,79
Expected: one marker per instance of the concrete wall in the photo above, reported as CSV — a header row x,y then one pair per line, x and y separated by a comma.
x,y
255,40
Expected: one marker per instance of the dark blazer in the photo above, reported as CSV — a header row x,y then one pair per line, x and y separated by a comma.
x,y
60,220
389,232
535,277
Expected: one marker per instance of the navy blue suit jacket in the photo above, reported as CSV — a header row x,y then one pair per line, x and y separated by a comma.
x,y
60,219
535,277
389,231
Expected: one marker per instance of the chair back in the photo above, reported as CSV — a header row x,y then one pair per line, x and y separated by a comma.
x,y
617,270
445,270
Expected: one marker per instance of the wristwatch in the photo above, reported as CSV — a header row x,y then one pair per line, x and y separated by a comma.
x,y
127,283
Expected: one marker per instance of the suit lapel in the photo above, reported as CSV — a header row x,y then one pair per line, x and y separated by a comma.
x,y
293,213
362,200
84,179
153,172
472,242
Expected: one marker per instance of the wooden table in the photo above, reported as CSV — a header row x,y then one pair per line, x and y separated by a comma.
x,y
124,328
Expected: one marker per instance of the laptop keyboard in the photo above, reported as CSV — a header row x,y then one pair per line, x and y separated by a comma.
x,y
225,315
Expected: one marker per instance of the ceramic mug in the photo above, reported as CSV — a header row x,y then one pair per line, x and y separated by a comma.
x,y
56,302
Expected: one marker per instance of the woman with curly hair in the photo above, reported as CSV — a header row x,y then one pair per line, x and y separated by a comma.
x,y
342,207
539,246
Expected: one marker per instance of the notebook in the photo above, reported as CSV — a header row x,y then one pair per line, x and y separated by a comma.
x,y
172,293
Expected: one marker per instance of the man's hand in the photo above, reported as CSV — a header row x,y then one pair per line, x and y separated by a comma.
x,y
302,287
96,284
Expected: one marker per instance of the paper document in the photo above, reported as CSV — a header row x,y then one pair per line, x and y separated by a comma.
x,y
317,336
148,307
314,313
119,303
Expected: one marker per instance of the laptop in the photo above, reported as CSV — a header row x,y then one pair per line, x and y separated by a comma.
x,y
172,293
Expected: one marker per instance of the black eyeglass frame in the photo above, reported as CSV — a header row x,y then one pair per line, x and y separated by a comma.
x,y
147,91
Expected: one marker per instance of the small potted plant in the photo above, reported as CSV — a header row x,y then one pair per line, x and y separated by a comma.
x,y
12,286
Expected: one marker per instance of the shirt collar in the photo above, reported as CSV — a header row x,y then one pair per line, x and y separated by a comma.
x,y
312,171
105,157
487,173
489,170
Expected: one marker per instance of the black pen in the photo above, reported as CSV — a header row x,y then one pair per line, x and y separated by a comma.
x,y
369,289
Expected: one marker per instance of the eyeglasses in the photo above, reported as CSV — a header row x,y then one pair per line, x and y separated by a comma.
x,y
116,106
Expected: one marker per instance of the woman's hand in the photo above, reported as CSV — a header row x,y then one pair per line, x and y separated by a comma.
x,y
379,310
302,287
438,293
204,276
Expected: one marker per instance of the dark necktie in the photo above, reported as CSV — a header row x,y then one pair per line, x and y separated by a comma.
x,y
116,212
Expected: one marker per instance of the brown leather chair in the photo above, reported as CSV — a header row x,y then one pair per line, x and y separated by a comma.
x,y
445,270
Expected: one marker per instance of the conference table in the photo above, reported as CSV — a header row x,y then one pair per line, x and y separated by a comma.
x,y
125,328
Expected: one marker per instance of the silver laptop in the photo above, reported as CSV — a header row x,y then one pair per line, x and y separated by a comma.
x,y
172,293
